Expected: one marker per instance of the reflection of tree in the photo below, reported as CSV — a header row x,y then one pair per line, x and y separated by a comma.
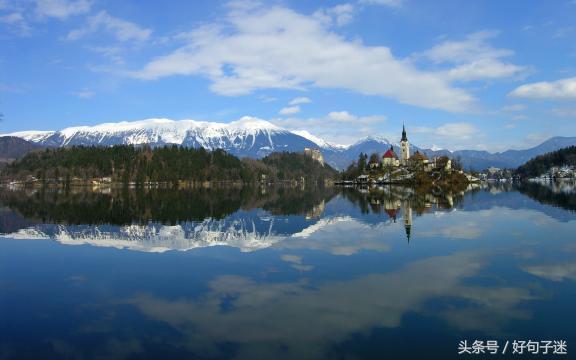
x,y
124,206
394,198
559,195
375,200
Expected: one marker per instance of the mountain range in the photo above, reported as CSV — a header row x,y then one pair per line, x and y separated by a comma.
x,y
12,148
256,138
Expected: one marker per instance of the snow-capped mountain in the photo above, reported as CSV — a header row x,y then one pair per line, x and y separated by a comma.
x,y
246,137
256,138
318,141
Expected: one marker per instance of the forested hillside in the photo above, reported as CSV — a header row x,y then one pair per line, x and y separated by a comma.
x,y
541,164
129,164
12,148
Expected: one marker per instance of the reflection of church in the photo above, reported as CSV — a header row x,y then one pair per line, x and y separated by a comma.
x,y
392,207
405,202
407,219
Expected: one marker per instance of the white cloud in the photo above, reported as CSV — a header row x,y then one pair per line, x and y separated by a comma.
x,y
84,94
62,9
12,88
275,47
534,139
121,29
300,100
17,23
519,117
342,116
564,32
391,3
563,89
338,15
289,110
113,53
459,130
514,108
267,99
453,136
339,127
473,58
565,112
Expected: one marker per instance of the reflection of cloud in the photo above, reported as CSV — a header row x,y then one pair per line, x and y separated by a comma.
x,y
275,318
462,230
342,235
77,279
112,349
554,272
490,309
296,262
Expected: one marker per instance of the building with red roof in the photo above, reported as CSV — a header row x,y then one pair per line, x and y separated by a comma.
x,y
390,158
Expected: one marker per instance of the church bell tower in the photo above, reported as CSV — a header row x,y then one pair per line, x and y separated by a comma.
x,y
405,147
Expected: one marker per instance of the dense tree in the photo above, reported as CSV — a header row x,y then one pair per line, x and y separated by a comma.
x,y
541,164
374,158
170,206
171,164
362,162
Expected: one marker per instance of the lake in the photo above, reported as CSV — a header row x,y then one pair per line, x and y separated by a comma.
x,y
287,273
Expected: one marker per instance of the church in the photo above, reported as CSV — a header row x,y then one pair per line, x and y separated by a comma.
x,y
391,159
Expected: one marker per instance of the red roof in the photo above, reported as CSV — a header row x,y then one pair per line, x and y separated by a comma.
x,y
390,154
419,156
391,213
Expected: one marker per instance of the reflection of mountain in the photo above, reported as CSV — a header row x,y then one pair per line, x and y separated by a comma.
x,y
249,219
561,194
161,220
185,220
246,231
523,196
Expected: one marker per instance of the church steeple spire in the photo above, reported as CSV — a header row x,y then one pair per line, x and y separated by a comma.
x,y
404,147
408,228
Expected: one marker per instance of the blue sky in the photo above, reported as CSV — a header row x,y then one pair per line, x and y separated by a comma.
x,y
476,74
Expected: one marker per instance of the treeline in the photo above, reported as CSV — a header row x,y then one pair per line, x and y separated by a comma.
x,y
129,164
359,167
541,164
545,195
122,206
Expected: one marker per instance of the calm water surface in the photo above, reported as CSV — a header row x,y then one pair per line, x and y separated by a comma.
x,y
284,273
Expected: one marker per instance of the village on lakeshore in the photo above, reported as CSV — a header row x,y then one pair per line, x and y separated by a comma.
x,y
405,169
154,165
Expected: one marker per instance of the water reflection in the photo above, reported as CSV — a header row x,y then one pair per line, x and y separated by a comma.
x,y
297,274
279,315
164,219
560,193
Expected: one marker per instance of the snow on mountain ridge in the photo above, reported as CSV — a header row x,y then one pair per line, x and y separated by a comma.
x,y
169,131
32,135
318,141
376,138
256,138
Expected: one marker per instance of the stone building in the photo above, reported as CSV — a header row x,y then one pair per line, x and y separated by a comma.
x,y
314,154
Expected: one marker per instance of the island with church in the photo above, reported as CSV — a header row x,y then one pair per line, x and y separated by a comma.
x,y
416,169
